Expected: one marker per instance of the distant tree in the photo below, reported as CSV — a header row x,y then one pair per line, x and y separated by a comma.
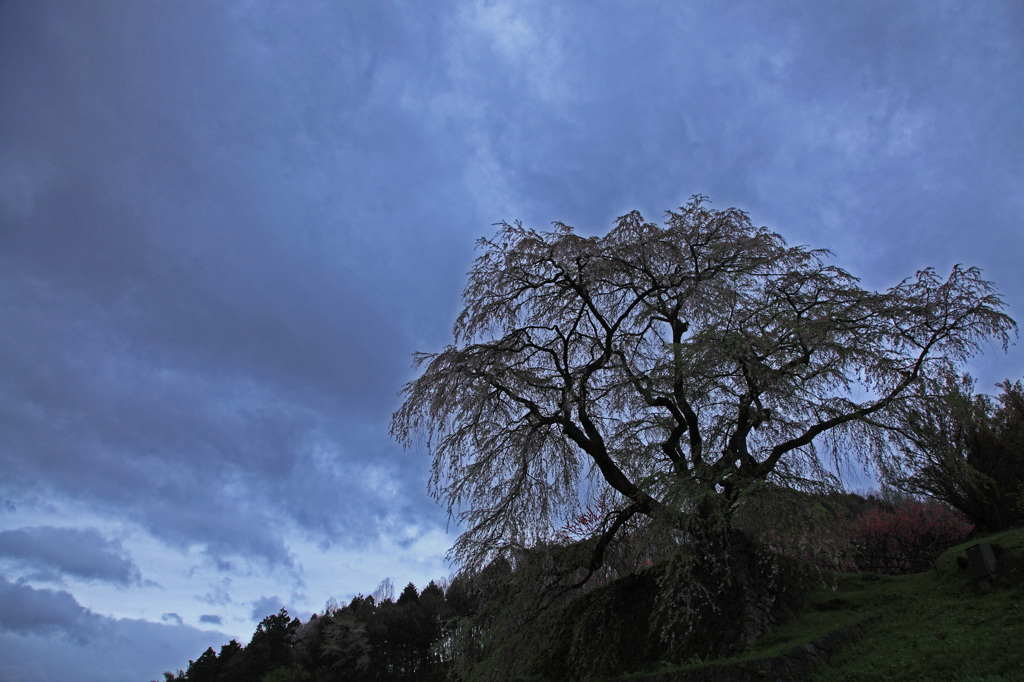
x,y
385,591
403,620
346,645
205,668
231,662
415,628
271,645
967,450
409,595
682,367
433,591
363,640
434,610
308,645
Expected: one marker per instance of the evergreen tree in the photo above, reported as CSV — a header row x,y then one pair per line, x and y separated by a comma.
x,y
271,645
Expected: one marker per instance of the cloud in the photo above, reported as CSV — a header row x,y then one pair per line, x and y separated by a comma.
x,y
219,594
80,552
265,606
172,618
47,636
171,374
129,651
24,609
211,619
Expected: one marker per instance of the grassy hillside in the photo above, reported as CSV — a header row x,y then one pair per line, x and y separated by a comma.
x,y
939,625
936,625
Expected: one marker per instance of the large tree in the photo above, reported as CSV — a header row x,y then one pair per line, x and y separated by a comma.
x,y
680,366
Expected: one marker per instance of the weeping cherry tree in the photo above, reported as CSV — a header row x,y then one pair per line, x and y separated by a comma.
x,y
678,366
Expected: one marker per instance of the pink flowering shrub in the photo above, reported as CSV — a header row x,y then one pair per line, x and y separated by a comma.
x,y
895,534
907,539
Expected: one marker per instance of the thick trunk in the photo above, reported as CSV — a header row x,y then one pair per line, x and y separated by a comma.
x,y
719,600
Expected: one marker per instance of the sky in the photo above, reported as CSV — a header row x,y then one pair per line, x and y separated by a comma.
x,y
226,226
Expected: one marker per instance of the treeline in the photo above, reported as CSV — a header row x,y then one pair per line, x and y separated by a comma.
x,y
366,639
425,635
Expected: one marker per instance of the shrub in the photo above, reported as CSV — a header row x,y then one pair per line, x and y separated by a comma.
x,y
906,539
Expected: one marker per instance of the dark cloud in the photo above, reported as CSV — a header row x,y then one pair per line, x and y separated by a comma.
x,y
80,552
197,330
172,618
211,619
265,606
46,636
26,610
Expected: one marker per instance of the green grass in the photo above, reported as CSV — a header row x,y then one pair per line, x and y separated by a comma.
x,y
939,625
936,625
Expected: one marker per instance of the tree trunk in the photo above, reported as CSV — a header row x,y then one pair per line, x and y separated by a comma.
x,y
720,599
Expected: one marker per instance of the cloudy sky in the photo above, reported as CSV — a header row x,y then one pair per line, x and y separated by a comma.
x,y
226,226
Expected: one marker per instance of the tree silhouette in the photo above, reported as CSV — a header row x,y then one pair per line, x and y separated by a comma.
x,y
203,669
967,449
675,370
680,367
271,645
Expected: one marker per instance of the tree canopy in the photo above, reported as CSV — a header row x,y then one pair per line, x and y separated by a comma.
x,y
967,449
677,367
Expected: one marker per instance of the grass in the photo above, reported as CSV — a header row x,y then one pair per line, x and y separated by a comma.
x,y
936,625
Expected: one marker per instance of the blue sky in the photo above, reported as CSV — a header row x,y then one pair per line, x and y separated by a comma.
x,y
226,226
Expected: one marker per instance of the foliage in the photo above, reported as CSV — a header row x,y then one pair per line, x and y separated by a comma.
x,y
607,629
638,545
671,372
597,634
891,533
906,539
719,601
809,527
967,449
363,640
677,367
